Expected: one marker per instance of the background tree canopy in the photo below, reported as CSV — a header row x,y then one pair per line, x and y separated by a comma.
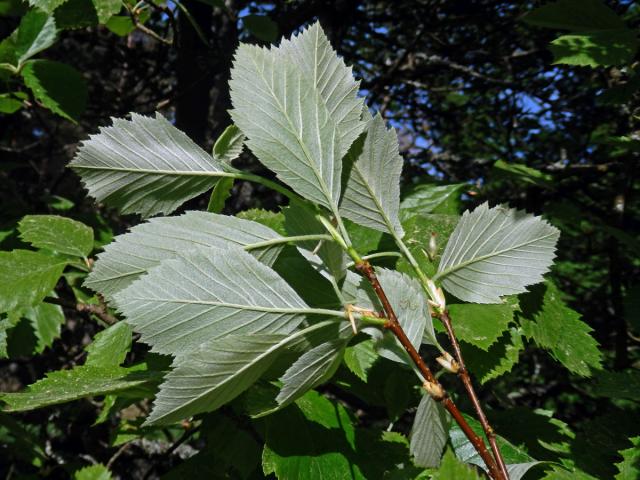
x,y
531,104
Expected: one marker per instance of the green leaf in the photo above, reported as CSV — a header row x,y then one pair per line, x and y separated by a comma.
x,y
58,234
262,27
522,173
207,294
5,324
274,99
131,255
121,25
67,385
495,252
8,104
110,346
273,220
594,49
372,195
429,433
498,360
59,87
548,321
218,371
432,198
575,15
629,468
106,9
229,145
47,6
359,358
144,166
36,32
92,472
76,14
624,384
480,325
27,277
452,469
221,192
559,473
45,320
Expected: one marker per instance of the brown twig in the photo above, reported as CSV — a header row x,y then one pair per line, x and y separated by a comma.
x,y
432,385
463,374
99,311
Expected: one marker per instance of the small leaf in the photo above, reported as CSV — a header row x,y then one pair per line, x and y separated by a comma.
x,y
548,321
58,234
428,433
47,6
629,468
372,195
521,173
26,278
229,144
106,9
58,86
110,346
218,371
45,320
80,382
495,252
262,27
452,469
432,198
133,254
221,192
594,49
144,166
92,472
480,325
121,25
359,358
207,294
498,360
36,32
8,104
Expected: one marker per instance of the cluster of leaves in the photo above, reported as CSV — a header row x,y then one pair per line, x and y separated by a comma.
x,y
237,306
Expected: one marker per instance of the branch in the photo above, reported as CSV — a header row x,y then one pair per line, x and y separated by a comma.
x,y
463,374
431,383
99,311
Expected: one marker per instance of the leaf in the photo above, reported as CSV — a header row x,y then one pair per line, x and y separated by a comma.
x,y
58,234
289,125
623,384
27,277
221,192
322,68
36,32
359,358
428,433
629,468
498,360
574,15
229,144
207,294
452,469
121,25
219,370
110,346
106,9
47,6
76,14
273,220
548,321
45,319
8,104
133,254
144,166
58,86
522,173
372,194
262,27
313,368
518,470
5,324
432,198
495,252
67,385
480,325
92,472
595,49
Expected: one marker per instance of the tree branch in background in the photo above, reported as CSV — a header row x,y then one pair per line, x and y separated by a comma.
x,y
99,311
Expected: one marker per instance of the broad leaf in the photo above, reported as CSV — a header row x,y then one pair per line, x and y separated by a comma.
x,y
429,433
288,124
207,294
27,277
58,234
110,346
218,371
133,254
145,166
495,252
480,325
322,68
80,382
372,194
548,321
58,86
36,32
498,360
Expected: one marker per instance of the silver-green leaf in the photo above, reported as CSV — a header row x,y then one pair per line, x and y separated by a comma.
x,y
495,252
206,294
131,255
429,433
145,166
